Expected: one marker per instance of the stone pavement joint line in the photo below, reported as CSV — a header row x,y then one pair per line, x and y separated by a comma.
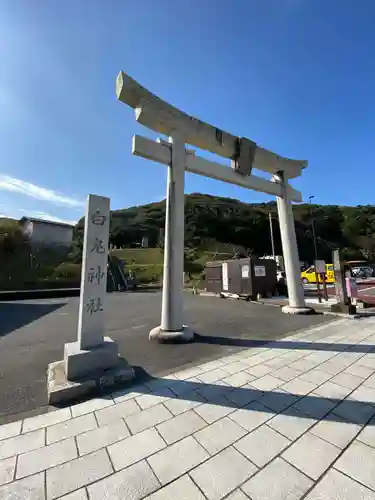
x,y
294,418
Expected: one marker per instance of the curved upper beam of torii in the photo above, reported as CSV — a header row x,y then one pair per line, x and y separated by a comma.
x,y
198,133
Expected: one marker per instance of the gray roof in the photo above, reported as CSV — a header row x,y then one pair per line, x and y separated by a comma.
x,y
42,221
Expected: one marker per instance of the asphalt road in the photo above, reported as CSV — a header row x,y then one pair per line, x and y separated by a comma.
x,y
33,333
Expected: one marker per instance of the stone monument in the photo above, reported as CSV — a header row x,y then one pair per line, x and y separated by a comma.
x,y
92,361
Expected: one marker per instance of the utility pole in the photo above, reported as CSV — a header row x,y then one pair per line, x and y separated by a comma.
x,y
315,248
271,233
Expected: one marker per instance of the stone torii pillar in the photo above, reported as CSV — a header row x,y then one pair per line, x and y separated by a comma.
x,y
297,303
171,325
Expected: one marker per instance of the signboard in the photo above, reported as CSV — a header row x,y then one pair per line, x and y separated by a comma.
x,y
224,272
245,270
320,266
259,271
94,272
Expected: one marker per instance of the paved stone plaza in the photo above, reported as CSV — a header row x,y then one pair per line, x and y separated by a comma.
x,y
292,419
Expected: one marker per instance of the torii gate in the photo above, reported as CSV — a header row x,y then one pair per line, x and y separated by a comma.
x,y
244,154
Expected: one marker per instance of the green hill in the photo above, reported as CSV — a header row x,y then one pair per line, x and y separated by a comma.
x,y
224,225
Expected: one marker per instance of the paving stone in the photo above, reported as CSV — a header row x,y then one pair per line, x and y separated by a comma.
x,y
7,467
331,390
180,405
368,434
358,370
117,411
336,430
186,386
238,379
211,392
259,370
181,426
358,462
315,406
212,365
161,383
277,481
212,412
177,459
303,365
291,423
181,489
21,443
133,483
219,435
286,373
10,430
337,486
276,401
189,373
242,396
250,361
71,428
103,436
212,376
147,400
347,380
251,416
222,473
267,383
277,362
148,418
91,405
235,367
368,362
237,495
76,495
130,393
311,455
369,382
46,457
51,418
299,387
77,473
354,411
29,488
134,448
262,445
331,367
364,394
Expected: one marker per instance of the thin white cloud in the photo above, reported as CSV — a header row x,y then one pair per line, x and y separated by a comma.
x,y
14,185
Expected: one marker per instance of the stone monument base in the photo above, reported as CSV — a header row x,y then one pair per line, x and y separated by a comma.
x,y
298,310
83,372
81,362
183,335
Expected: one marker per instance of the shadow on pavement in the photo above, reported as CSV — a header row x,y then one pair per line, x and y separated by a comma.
x,y
18,314
264,404
283,344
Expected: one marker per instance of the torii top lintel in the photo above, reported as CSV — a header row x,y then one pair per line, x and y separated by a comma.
x,y
166,119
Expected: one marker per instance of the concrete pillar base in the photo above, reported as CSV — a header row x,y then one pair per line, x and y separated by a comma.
x,y
183,335
298,310
82,362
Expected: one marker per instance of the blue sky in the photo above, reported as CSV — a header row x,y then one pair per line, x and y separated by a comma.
x,y
296,76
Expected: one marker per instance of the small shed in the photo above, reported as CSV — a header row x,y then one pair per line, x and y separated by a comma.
x,y
244,277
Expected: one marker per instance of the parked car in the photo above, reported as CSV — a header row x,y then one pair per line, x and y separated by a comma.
x,y
309,276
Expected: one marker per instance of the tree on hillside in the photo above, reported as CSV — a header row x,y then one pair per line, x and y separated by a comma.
x,y
12,239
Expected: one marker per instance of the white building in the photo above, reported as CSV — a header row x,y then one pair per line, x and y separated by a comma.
x,y
45,232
